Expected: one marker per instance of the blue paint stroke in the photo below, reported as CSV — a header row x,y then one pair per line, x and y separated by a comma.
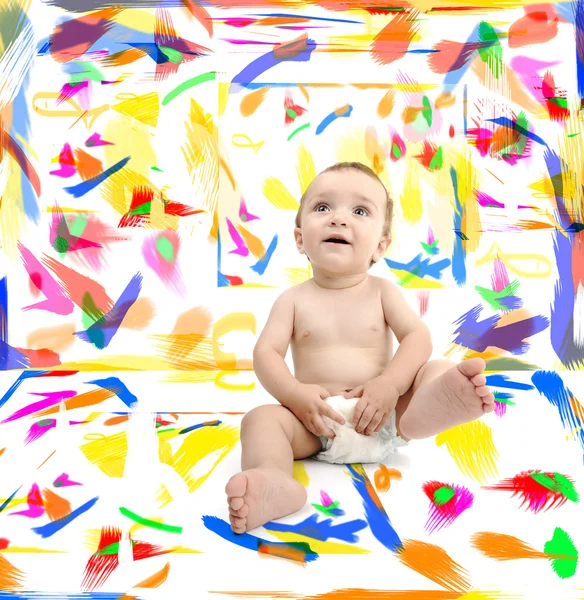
x,y
322,531
35,595
86,186
12,358
458,251
452,78
479,335
550,385
332,117
578,9
101,333
504,382
50,529
3,321
375,515
262,263
265,62
8,500
251,542
199,426
510,124
24,375
115,385
420,267
562,309
155,53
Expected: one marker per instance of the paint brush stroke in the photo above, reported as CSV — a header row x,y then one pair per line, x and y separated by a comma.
x,y
117,387
86,186
50,529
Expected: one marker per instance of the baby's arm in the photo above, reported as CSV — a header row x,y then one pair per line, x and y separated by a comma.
x,y
270,350
415,343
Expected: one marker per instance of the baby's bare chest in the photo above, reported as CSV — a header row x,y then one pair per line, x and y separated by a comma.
x,y
340,324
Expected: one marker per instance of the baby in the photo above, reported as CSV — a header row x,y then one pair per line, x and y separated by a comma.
x,y
339,326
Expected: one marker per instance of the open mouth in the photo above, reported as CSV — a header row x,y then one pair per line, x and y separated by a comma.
x,y
336,241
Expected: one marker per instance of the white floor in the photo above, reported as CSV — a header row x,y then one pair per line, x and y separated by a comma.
x,y
529,436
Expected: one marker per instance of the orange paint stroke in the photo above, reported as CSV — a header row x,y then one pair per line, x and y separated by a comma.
x,y
539,25
200,14
80,401
288,553
250,103
56,506
155,580
252,242
88,166
505,547
44,461
2,451
434,563
223,164
11,578
383,477
393,41
354,594
116,420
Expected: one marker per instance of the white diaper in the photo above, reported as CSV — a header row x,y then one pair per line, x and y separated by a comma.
x,y
351,447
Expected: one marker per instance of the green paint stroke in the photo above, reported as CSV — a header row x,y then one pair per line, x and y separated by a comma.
x,y
492,52
564,556
522,125
165,249
436,162
494,298
174,56
297,130
189,83
559,485
427,110
78,225
443,495
395,151
291,113
149,523
503,400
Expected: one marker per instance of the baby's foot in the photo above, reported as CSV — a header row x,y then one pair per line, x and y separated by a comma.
x,y
455,397
257,496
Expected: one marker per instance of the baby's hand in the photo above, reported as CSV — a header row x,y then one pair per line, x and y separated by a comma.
x,y
378,398
310,405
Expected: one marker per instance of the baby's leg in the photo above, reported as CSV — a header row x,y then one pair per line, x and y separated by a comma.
x,y
271,438
444,394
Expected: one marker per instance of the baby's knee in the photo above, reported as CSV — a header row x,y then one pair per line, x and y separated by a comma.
x,y
262,414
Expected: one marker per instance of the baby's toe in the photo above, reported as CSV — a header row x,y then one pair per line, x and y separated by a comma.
x,y
489,399
482,391
236,503
487,408
479,380
242,512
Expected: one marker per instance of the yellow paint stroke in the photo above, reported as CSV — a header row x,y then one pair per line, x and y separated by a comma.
x,y
571,152
11,578
304,91
136,19
412,281
144,108
278,195
115,363
466,185
411,197
511,260
251,102
235,321
299,473
199,444
89,398
189,351
242,140
434,563
107,452
12,215
305,168
223,96
445,100
386,104
296,275
155,580
27,146
31,550
471,446
252,242
76,112
319,546
228,172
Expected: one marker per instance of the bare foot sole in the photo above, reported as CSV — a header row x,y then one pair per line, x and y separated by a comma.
x,y
455,397
257,496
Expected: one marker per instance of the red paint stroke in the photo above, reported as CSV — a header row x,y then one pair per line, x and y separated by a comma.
x,y
393,41
536,496
451,56
427,154
72,39
578,259
105,560
34,500
4,543
290,106
20,157
555,99
40,358
538,26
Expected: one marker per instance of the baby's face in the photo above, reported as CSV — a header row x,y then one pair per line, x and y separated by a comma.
x,y
349,204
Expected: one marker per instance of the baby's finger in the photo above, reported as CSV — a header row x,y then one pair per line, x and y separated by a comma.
x,y
333,414
321,428
382,423
358,412
365,419
354,393
375,420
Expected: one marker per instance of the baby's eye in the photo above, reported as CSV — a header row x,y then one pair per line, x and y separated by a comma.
x,y
319,206
363,209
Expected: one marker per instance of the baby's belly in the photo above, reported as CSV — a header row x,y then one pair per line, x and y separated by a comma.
x,y
339,369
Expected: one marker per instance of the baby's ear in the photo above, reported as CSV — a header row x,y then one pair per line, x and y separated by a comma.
x,y
298,238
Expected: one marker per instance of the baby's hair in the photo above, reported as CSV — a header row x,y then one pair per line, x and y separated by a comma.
x,y
342,166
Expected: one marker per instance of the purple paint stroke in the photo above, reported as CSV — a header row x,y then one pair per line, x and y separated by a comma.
x,y
445,514
321,530
479,335
51,398
100,334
